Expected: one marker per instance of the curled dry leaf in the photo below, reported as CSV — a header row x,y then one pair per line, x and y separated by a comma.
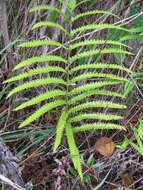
x,y
105,146
127,181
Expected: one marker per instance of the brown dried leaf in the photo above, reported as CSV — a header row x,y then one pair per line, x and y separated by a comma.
x,y
105,146
127,181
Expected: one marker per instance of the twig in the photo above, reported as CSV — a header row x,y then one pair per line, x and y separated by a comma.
x,y
4,28
11,183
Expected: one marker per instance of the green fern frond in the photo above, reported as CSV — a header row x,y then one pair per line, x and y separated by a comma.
x,y
96,104
36,83
42,110
93,86
90,75
99,66
92,13
37,43
131,37
98,51
46,7
99,116
81,2
96,42
136,29
51,25
40,98
96,126
95,92
73,149
39,59
98,27
36,71
60,128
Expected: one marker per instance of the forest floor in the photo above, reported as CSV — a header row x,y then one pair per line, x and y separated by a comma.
x,y
43,169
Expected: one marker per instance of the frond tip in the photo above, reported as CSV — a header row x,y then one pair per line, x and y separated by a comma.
x,y
60,128
73,149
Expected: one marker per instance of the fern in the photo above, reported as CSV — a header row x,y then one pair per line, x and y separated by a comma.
x,y
40,98
88,13
51,25
60,128
37,71
84,95
47,107
73,149
96,104
36,83
41,59
94,126
100,66
68,78
98,27
97,75
46,7
95,116
93,86
96,42
37,43
97,51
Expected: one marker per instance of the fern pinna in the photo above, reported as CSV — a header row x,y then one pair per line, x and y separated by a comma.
x,y
76,86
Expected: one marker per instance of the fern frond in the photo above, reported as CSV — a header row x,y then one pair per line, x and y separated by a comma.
x,y
73,149
47,107
96,42
92,13
92,86
46,7
96,104
37,43
82,2
60,128
98,27
40,98
36,83
95,92
99,66
136,29
131,37
96,126
89,75
98,51
39,59
36,71
51,25
99,116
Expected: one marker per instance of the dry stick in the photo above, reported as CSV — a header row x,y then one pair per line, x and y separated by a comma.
x,y
9,167
4,28
7,181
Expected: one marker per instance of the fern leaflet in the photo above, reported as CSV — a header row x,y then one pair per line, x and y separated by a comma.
x,y
60,128
40,98
47,107
38,59
96,104
36,83
96,126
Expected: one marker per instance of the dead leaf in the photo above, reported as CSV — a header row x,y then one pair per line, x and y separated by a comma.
x,y
51,118
105,146
127,181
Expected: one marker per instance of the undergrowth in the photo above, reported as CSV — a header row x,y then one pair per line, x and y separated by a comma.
x,y
74,85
